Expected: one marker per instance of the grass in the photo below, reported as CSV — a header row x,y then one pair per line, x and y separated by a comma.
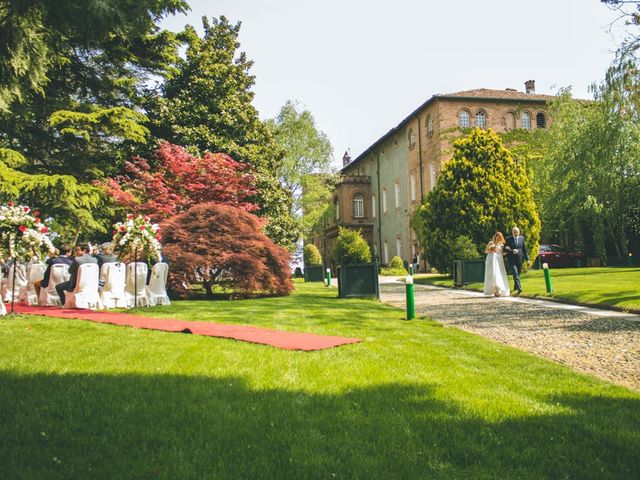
x,y
414,400
611,286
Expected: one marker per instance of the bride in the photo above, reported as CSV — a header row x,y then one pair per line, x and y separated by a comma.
x,y
495,274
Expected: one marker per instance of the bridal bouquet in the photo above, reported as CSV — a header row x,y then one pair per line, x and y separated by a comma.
x,y
22,233
136,236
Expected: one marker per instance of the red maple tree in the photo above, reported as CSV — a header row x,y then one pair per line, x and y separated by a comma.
x,y
221,245
179,180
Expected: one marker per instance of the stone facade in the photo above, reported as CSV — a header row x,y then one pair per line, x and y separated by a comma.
x,y
395,173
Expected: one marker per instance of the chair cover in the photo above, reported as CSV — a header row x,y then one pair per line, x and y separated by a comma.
x,y
36,272
157,289
140,283
3,310
21,282
48,296
86,294
112,293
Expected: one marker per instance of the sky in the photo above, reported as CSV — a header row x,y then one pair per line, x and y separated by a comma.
x,y
360,66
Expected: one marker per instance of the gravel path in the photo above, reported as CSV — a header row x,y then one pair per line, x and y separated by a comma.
x,y
598,342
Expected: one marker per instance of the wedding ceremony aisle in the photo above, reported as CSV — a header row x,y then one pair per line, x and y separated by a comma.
x,y
266,336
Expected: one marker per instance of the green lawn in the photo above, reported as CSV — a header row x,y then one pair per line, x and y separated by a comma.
x,y
415,400
615,286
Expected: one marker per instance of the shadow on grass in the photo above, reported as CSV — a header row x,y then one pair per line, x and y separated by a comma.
x,y
133,426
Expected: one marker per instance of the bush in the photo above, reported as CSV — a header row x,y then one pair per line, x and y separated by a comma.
x,y
350,248
481,190
311,255
396,268
223,246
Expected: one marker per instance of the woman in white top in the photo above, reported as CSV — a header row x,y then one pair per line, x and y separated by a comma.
x,y
495,273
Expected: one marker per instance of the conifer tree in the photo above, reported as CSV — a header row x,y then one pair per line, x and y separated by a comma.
x,y
481,190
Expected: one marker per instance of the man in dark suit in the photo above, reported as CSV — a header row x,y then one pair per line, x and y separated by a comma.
x,y
62,259
82,255
516,248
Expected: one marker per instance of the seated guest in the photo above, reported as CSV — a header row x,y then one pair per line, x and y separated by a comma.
x,y
81,257
59,257
107,255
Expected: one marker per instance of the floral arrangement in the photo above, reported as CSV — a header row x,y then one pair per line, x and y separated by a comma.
x,y
22,233
136,236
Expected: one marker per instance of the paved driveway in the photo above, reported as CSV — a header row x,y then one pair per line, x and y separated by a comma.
x,y
599,342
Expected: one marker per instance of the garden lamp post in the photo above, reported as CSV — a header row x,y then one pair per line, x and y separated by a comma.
x,y
411,308
547,277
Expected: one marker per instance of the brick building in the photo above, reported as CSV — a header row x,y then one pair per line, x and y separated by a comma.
x,y
382,187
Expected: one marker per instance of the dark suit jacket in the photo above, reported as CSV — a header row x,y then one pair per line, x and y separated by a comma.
x,y
521,245
102,259
61,260
73,269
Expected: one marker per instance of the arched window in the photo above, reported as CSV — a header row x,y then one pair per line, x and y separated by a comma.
x,y
429,126
336,209
541,120
525,120
481,119
412,138
358,206
463,117
510,121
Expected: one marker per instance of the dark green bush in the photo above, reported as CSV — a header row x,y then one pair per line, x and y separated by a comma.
x,y
350,248
311,255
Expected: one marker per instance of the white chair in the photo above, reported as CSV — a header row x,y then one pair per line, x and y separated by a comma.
x,y
48,295
113,293
3,309
28,295
136,289
20,284
86,294
157,289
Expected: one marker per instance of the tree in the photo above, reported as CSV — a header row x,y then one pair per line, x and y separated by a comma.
x,y
311,255
592,169
179,180
206,106
305,169
223,246
481,190
350,248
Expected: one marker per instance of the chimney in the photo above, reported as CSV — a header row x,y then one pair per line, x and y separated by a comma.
x,y
346,158
530,86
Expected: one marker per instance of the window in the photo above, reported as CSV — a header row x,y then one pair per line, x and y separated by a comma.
x,y
412,184
510,121
386,252
384,200
358,206
541,121
397,190
399,247
373,206
412,138
432,173
430,126
481,119
336,211
463,117
525,120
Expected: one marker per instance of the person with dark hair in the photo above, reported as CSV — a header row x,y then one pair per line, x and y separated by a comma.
x,y
62,258
82,255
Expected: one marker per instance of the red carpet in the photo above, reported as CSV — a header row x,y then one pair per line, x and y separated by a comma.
x,y
276,338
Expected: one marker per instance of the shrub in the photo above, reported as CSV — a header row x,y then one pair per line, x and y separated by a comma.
x,y
350,248
481,190
311,255
221,245
396,268
298,273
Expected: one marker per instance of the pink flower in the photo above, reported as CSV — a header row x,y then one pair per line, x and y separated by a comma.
x,y
146,219
37,220
123,228
142,227
129,216
36,213
44,230
26,209
10,204
22,228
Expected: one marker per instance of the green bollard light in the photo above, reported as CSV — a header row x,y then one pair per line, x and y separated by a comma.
x,y
547,277
328,277
411,306
410,269
630,259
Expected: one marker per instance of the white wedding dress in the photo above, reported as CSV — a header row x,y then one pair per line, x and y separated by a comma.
x,y
495,273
